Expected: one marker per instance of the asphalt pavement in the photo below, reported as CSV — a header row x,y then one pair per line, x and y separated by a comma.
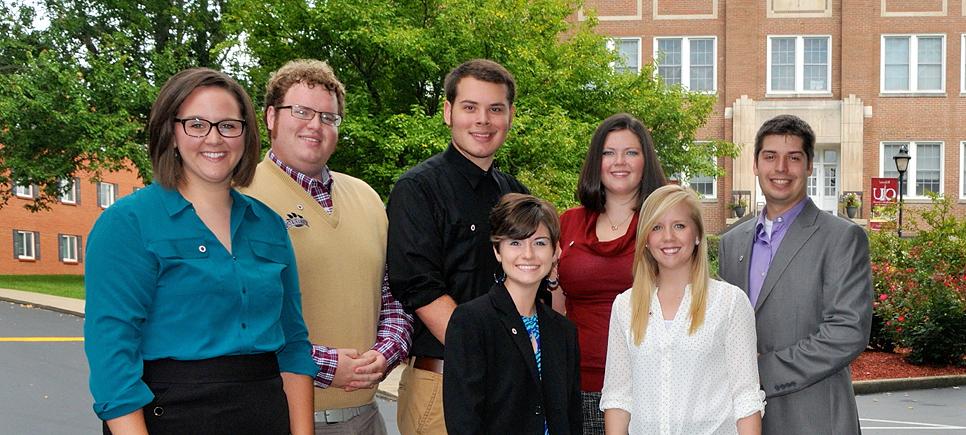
x,y
43,374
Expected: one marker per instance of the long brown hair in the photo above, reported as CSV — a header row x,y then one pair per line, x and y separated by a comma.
x,y
590,189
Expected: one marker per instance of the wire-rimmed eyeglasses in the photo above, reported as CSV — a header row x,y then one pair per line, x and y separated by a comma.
x,y
308,114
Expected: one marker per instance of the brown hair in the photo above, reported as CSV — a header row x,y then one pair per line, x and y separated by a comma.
x,y
787,125
480,69
646,270
590,189
165,162
310,72
517,216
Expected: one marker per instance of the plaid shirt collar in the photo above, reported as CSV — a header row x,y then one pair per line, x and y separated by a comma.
x,y
319,188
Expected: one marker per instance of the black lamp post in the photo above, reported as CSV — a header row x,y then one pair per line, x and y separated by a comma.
x,y
902,164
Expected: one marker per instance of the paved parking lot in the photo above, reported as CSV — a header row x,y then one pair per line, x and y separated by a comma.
x,y
940,411
44,386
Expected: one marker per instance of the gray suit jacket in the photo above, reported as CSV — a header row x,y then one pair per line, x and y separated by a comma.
x,y
813,317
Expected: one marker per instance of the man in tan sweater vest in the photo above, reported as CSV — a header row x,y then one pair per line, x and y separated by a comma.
x,y
338,227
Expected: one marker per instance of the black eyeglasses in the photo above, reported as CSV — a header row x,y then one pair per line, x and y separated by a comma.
x,y
197,127
308,114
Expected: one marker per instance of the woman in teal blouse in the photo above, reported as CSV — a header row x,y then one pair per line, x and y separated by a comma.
x,y
193,318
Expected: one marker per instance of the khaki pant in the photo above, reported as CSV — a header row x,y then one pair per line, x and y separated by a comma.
x,y
420,404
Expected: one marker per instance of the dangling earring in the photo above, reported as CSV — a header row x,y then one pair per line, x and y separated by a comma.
x,y
177,155
697,242
499,278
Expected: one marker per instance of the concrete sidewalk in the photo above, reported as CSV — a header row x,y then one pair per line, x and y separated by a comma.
x,y
389,388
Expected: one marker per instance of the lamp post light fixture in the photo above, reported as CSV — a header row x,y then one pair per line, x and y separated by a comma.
x,y
902,164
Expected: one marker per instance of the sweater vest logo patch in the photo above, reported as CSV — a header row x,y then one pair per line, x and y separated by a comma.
x,y
294,220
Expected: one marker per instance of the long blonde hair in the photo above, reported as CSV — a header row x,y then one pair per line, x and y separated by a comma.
x,y
646,268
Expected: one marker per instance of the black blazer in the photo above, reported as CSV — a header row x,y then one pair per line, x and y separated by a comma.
x,y
490,380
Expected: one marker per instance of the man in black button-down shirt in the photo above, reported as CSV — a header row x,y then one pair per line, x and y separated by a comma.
x,y
439,252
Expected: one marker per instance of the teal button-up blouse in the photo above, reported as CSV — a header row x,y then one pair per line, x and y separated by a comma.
x,y
160,285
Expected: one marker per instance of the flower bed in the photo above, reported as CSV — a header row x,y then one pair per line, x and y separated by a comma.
x,y
920,288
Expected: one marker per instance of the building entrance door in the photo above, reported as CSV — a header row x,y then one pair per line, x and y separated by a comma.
x,y
823,184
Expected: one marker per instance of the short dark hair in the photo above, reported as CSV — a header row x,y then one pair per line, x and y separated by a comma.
x,y
517,216
480,69
165,161
590,189
311,73
787,125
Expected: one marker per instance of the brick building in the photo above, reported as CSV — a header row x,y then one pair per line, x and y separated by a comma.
x,y
868,75
52,242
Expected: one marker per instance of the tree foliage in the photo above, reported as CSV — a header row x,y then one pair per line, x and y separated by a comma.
x,y
76,95
394,55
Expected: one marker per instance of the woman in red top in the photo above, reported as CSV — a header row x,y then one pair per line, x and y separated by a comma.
x,y
597,239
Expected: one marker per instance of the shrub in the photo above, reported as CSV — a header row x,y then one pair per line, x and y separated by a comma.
x,y
937,330
920,287
713,241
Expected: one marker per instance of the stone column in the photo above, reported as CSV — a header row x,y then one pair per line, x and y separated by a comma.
x,y
851,161
745,125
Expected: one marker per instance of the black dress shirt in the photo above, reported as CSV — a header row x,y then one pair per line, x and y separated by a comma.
x,y
439,235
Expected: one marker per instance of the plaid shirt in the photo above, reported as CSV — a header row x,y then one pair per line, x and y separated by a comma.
x,y
395,329
319,188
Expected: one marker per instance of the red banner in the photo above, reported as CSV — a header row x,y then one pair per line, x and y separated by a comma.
x,y
884,191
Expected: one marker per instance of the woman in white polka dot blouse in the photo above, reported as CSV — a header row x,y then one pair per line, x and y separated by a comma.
x,y
681,349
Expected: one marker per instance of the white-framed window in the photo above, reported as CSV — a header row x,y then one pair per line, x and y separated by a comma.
x,y
962,66
688,61
69,191
25,191
925,171
799,64
69,248
962,169
26,245
629,50
106,194
913,63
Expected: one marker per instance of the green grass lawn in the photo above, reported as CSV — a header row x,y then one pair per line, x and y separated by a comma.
x,y
71,286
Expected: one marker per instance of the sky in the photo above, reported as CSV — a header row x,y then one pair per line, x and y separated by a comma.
x,y
41,21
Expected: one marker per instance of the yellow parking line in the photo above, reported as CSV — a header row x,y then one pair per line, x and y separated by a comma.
x,y
40,339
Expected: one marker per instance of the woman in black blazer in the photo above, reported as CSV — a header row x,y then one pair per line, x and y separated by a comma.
x,y
512,364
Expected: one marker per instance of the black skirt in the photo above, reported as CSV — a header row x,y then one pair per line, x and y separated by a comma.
x,y
225,395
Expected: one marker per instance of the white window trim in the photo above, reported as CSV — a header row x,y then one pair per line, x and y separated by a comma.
x,y
686,181
19,189
686,60
28,247
612,45
909,178
799,66
101,197
913,63
73,189
71,257
962,59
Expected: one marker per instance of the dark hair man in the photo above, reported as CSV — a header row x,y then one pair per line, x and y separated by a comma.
x,y
808,276
439,249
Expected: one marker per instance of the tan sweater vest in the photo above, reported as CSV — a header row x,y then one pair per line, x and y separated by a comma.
x,y
341,260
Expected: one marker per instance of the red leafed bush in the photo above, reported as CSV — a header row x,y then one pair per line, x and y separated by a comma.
x,y
920,288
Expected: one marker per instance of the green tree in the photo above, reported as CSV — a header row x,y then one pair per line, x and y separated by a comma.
x,y
393,56
76,95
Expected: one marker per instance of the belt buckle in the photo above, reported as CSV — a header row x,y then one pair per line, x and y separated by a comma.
x,y
339,415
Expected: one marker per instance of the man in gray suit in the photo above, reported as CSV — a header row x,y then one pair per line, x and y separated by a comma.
x,y
808,276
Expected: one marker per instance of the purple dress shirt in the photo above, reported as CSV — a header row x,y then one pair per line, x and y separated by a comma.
x,y
764,247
